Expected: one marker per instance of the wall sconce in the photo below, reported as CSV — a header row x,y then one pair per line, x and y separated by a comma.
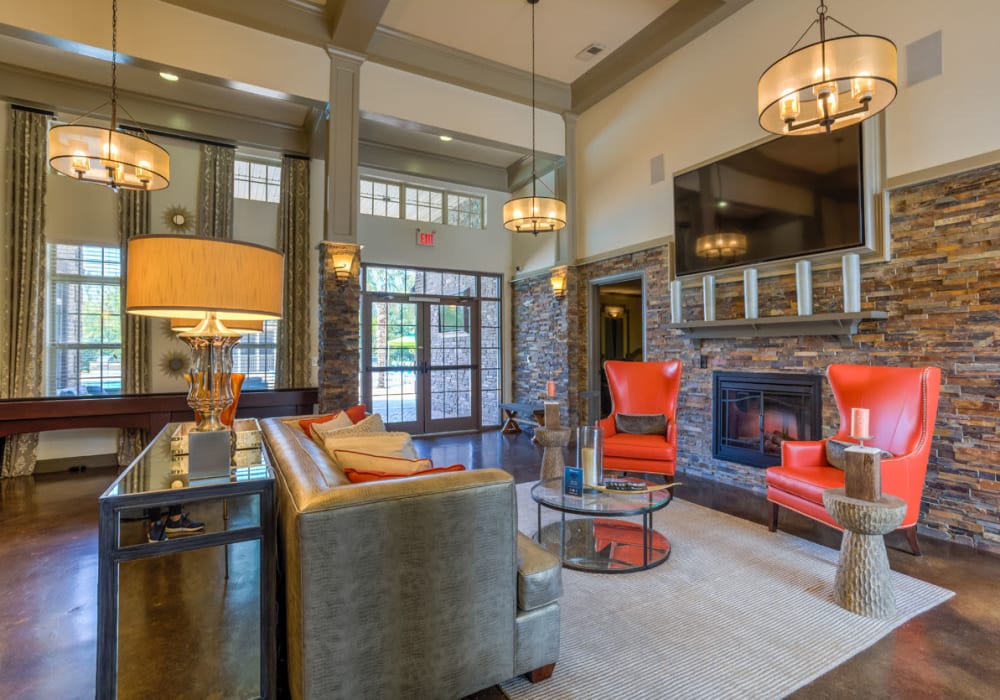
x,y
614,311
558,280
343,260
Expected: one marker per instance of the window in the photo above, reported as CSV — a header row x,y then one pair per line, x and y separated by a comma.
x,y
380,198
464,210
256,357
84,320
256,181
424,205
453,319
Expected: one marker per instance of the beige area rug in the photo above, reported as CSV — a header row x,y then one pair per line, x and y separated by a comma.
x,y
735,612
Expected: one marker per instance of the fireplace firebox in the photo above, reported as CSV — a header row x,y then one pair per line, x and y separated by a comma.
x,y
754,412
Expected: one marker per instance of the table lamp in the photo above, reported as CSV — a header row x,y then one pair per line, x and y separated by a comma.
x,y
221,288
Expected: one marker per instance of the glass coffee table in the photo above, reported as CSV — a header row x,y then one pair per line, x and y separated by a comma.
x,y
599,541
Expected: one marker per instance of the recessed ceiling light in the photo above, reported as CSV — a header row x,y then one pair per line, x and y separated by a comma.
x,y
169,76
444,137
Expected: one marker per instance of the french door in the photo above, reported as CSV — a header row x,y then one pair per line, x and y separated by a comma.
x,y
421,356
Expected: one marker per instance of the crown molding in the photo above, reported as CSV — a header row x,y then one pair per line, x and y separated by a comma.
x,y
432,60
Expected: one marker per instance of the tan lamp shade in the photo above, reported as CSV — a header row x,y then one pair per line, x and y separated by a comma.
x,y
108,157
534,214
188,276
859,80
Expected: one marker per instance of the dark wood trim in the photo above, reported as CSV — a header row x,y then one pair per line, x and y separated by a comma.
x,y
149,411
541,673
772,521
911,539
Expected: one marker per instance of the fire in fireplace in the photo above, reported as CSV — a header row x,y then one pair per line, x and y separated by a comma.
x,y
754,412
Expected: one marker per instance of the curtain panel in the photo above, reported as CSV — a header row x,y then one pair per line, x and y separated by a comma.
x,y
23,319
133,220
215,191
293,366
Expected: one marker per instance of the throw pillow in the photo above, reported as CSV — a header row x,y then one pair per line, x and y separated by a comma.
x,y
357,476
835,452
385,444
371,424
641,423
374,462
338,419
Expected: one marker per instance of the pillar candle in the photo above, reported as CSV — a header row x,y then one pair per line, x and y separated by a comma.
x,y
552,414
550,388
859,423
589,459
676,315
708,296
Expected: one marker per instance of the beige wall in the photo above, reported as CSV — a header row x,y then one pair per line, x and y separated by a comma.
x,y
701,102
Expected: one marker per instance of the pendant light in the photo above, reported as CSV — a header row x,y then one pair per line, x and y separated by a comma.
x,y
534,214
827,85
109,156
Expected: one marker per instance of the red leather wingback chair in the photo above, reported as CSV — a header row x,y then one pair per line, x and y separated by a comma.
x,y
642,388
903,407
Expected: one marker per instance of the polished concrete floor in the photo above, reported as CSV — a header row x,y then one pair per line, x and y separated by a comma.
x,y
193,636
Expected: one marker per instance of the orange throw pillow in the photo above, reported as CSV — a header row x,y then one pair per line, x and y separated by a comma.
x,y
356,413
357,476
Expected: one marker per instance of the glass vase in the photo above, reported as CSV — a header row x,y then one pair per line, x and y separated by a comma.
x,y
590,455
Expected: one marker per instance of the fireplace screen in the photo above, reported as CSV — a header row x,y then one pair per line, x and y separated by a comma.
x,y
754,412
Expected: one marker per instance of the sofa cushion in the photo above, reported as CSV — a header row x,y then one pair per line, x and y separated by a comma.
x,y
337,419
358,476
641,423
374,462
539,574
371,424
354,413
385,444
639,447
805,482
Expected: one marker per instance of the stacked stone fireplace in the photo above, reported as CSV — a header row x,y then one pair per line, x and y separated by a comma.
x,y
754,412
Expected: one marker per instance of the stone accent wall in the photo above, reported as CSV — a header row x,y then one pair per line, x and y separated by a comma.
x,y
941,289
339,354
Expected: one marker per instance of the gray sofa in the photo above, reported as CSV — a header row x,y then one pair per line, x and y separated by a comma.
x,y
419,587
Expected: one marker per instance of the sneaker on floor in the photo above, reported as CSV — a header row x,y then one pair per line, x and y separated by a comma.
x,y
183,526
156,531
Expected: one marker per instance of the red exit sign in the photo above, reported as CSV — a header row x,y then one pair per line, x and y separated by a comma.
x,y
425,237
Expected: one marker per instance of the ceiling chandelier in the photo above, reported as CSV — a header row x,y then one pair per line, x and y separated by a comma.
x,y
109,156
534,214
829,84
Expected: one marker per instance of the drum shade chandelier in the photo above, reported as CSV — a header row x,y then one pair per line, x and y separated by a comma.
x,y
829,84
109,156
534,214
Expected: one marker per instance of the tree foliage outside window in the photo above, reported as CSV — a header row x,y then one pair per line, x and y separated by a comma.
x,y
83,320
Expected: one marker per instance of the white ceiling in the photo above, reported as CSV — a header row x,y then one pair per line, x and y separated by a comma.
x,y
500,30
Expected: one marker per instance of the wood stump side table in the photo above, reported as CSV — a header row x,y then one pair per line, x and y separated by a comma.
x,y
862,584
552,441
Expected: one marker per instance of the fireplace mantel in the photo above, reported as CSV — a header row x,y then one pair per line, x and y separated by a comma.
x,y
837,324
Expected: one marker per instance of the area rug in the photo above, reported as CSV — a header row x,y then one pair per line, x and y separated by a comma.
x,y
735,612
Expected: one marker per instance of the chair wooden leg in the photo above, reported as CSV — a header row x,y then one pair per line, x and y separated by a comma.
x,y
911,539
772,523
541,673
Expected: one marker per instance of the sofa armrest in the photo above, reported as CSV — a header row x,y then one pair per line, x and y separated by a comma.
x,y
804,453
539,575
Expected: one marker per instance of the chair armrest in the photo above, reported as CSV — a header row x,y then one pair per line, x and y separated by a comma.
x,y
539,575
804,453
608,424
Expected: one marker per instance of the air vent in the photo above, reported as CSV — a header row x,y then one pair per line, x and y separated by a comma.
x,y
590,51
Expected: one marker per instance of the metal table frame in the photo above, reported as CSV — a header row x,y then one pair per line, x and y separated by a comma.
x,y
111,554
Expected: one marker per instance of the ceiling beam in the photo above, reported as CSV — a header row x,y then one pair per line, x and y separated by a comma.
x,y
352,23
405,161
57,94
682,23
432,60
300,21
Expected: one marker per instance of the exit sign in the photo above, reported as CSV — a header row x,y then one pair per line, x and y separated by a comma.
x,y
425,237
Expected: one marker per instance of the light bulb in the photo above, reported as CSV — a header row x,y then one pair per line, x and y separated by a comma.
x,y
789,107
862,89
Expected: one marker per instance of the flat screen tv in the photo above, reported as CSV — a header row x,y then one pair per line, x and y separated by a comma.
x,y
789,197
